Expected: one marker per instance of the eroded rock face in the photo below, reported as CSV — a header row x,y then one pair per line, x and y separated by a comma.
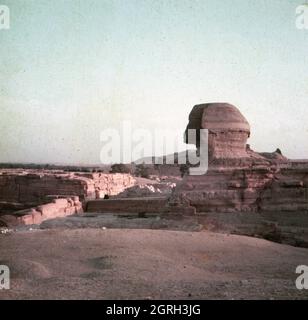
x,y
34,187
240,179
32,196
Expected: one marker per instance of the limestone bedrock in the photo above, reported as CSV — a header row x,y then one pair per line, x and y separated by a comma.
x,y
239,179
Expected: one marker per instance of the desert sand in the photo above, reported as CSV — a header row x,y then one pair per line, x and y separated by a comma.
x,y
147,264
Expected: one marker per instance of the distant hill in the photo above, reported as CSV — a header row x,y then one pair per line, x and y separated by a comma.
x,y
174,158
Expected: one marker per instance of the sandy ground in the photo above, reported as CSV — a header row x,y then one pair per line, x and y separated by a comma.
x,y
147,264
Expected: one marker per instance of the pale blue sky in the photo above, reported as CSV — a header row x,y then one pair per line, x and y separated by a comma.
x,y
71,68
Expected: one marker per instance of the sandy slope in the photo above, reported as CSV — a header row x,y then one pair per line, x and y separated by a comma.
x,y
124,264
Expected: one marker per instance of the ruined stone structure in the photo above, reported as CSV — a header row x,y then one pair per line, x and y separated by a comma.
x,y
34,187
238,178
55,209
33,196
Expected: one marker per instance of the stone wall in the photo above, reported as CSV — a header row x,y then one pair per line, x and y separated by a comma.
x,y
33,187
57,208
101,184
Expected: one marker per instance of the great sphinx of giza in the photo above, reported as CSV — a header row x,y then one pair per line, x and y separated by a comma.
x,y
239,179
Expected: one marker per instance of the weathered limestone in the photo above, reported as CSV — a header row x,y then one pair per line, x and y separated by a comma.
x,y
57,208
228,129
34,188
238,178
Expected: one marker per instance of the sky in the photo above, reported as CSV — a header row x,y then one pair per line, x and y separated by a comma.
x,y
70,69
